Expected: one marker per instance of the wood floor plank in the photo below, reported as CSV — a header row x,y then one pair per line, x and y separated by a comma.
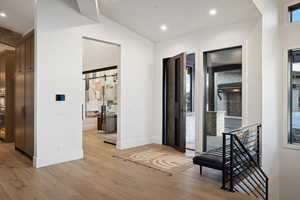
x,y
101,176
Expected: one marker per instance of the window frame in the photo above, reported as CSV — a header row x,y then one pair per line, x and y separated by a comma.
x,y
291,9
291,54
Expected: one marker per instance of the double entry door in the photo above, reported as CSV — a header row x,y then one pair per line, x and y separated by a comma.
x,y
174,102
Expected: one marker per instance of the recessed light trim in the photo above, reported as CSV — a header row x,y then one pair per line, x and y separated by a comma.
x,y
213,12
2,14
163,27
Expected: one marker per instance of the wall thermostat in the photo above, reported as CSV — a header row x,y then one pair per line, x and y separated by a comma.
x,y
60,97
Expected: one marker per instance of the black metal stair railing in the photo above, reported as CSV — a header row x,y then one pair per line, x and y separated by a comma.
x,y
242,170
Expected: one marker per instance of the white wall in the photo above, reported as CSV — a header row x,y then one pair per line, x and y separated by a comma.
x,y
97,54
271,92
290,155
247,34
58,125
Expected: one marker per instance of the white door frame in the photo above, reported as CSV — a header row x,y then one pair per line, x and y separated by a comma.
x,y
118,145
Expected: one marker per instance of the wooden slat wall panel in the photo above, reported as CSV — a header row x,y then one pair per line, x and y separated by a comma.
x,y
19,103
2,66
2,114
25,96
9,78
29,97
9,37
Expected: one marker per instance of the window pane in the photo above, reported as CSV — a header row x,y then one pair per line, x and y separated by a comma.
x,y
189,97
294,136
294,12
295,15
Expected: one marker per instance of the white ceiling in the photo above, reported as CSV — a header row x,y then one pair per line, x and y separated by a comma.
x,y
20,15
181,16
146,16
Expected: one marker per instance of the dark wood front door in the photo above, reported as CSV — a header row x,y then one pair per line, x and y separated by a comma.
x,y
175,102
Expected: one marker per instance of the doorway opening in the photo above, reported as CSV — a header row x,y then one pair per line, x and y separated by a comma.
x,y
101,113
17,92
178,102
223,95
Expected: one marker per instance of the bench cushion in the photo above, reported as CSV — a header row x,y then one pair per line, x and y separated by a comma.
x,y
214,159
209,160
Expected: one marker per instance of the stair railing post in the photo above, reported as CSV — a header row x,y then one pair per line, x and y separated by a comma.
x,y
224,163
231,163
258,151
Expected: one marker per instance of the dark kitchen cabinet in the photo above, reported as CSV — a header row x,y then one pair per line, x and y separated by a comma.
x,y
24,92
7,80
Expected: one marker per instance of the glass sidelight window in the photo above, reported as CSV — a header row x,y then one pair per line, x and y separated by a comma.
x,y
223,95
189,89
190,79
294,97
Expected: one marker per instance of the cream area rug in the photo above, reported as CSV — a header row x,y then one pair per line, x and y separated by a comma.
x,y
158,157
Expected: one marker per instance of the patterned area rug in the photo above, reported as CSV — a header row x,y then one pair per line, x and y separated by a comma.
x,y
158,157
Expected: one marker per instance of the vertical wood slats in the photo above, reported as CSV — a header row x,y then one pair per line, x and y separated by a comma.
x,y
9,37
25,96
7,68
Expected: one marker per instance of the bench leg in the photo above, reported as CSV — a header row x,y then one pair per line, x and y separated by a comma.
x,y
223,180
200,170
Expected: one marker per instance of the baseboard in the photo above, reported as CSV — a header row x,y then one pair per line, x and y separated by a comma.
x,y
157,139
39,162
138,142
134,143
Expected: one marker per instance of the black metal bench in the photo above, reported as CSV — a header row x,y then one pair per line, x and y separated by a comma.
x,y
214,158
239,159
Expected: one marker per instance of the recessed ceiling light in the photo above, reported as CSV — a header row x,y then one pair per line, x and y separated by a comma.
x,y
163,27
2,14
213,12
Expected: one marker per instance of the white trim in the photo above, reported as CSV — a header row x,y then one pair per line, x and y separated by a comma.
x,y
285,95
28,31
244,84
119,144
199,100
292,147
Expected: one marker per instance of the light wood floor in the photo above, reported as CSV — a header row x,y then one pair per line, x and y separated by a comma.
x,y
100,176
